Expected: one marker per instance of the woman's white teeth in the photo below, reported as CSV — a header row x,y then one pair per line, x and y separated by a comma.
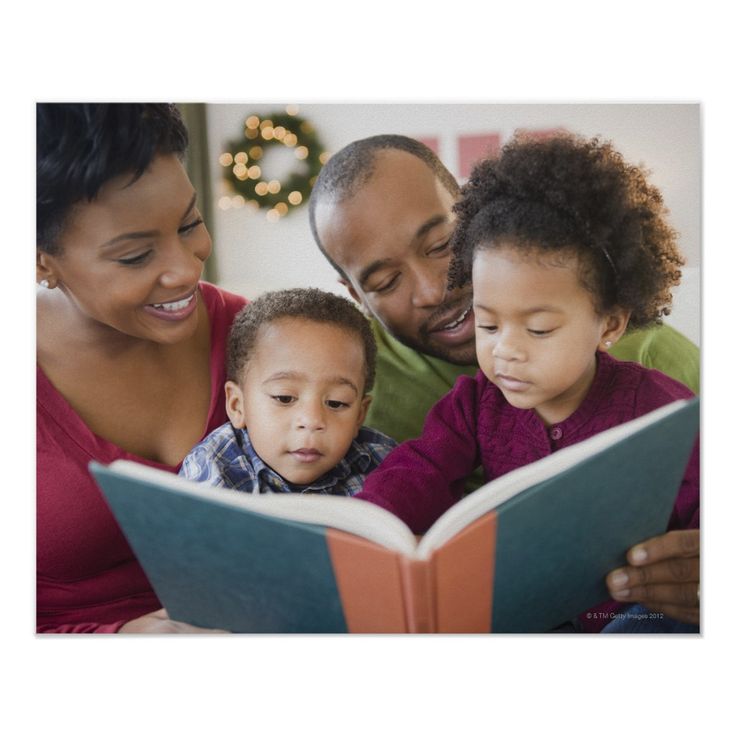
x,y
174,306
458,320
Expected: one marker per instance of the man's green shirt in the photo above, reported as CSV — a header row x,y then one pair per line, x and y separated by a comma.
x,y
409,383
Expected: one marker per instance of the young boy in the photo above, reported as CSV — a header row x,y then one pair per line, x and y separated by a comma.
x,y
300,365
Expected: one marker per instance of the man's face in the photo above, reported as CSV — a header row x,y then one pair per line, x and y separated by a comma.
x,y
391,239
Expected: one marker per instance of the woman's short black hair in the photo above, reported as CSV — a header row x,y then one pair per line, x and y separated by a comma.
x,y
576,195
313,305
81,146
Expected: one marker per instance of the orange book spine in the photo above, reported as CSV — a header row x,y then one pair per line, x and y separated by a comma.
x,y
370,584
419,595
464,572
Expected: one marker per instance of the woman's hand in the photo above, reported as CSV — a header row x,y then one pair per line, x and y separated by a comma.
x,y
159,622
663,575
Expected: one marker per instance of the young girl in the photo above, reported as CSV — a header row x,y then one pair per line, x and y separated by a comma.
x,y
567,247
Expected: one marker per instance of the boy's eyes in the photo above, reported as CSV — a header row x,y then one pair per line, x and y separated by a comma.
x,y
286,399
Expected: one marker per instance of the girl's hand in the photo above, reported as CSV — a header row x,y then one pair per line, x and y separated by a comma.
x,y
159,622
663,575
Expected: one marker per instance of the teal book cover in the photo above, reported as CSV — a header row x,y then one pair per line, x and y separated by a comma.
x,y
219,566
523,554
577,526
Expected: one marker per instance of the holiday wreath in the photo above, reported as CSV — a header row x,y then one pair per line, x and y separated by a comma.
x,y
242,158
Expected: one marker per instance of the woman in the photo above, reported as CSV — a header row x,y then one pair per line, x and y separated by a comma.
x,y
130,346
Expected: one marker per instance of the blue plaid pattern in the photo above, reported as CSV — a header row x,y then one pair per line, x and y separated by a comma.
x,y
226,458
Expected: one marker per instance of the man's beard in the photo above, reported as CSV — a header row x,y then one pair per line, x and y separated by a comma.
x,y
460,355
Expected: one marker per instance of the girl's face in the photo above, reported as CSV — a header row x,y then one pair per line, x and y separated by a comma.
x,y
130,260
536,329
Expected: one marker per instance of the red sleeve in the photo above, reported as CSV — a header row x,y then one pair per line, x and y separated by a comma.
x,y
422,478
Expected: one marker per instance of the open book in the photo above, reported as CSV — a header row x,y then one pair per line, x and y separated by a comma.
x,y
524,553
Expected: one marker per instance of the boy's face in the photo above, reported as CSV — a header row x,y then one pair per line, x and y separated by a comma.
x,y
537,330
301,398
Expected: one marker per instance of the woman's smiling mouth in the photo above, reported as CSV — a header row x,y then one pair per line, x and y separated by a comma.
x,y
174,310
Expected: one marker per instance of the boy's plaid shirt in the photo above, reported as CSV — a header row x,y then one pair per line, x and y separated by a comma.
x,y
226,458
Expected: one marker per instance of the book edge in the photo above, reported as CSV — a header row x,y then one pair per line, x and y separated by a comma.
x,y
350,515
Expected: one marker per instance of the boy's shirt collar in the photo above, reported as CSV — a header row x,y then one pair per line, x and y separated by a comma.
x,y
359,459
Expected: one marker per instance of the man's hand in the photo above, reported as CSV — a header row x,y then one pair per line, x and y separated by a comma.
x,y
663,575
159,622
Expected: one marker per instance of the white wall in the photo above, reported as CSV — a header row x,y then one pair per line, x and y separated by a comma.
x,y
254,255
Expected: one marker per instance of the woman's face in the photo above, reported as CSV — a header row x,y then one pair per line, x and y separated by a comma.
x,y
130,260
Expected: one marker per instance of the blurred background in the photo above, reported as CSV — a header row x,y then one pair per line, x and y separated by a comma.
x,y
253,164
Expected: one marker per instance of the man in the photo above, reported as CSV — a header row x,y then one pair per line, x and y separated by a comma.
x,y
381,213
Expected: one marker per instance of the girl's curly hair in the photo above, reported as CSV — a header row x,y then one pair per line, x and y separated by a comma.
x,y
577,195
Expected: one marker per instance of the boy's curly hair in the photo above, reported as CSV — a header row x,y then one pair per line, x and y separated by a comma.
x,y
310,304
578,195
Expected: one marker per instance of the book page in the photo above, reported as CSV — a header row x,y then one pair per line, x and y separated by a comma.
x,y
347,514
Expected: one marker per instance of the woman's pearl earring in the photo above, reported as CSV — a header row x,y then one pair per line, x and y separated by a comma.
x,y
44,283
608,343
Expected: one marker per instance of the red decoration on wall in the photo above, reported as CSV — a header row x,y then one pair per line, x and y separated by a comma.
x,y
471,148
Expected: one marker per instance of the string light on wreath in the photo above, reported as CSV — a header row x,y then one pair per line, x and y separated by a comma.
x,y
242,163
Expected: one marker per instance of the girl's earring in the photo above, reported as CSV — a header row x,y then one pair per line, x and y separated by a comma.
x,y
44,283
608,343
